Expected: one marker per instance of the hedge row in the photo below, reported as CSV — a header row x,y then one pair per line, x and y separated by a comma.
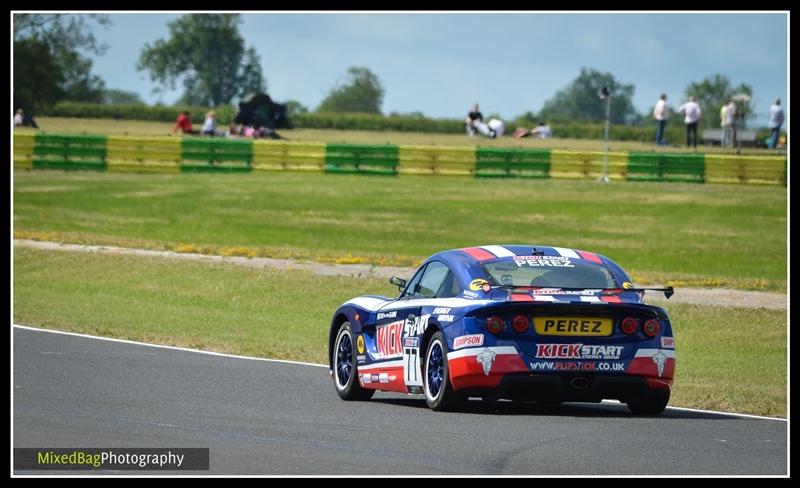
x,y
364,122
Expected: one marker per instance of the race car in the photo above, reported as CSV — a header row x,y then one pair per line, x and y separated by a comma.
x,y
517,322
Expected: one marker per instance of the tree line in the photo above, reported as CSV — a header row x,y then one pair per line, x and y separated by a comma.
x,y
208,56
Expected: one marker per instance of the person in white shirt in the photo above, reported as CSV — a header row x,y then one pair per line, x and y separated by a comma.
x,y
661,114
210,124
18,118
730,122
692,113
775,122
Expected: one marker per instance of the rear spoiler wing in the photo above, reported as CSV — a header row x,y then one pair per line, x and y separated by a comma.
x,y
668,291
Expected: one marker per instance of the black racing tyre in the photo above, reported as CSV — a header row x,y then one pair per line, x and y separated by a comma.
x,y
439,393
652,403
345,368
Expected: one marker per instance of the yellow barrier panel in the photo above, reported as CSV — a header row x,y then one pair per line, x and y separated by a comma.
x,y
144,154
23,151
436,160
308,156
587,164
745,169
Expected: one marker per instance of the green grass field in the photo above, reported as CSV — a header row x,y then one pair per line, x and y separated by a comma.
x,y
728,358
146,128
681,234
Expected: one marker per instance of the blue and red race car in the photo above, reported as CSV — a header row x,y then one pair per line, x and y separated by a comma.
x,y
539,323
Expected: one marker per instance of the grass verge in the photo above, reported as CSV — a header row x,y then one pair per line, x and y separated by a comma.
x,y
679,234
728,358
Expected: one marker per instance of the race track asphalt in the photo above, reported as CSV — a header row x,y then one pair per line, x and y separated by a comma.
x,y
272,418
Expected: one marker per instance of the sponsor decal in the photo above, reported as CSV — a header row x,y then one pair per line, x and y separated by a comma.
x,y
486,358
445,318
478,284
390,340
660,359
384,378
366,379
467,341
360,344
573,326
668,342
440,310
415,326
470,294
361,359
577,351
576,366
559,291
375,378
627,285
411,342
386,315
548,261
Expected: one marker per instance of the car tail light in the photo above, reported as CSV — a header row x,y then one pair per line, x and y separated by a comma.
x,y
520,324
628,325
651,328
495,324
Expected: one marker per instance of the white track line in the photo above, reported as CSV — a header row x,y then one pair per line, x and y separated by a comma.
x,y
211,353
161,346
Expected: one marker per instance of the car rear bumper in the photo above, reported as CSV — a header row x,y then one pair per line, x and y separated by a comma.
x,y
568,387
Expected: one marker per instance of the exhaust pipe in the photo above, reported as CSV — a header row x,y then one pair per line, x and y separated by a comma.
x,y
579,383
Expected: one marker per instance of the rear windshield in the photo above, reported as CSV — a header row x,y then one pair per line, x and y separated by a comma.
x,y
548,271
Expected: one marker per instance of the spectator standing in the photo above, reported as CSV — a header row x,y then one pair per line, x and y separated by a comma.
x,y
691,111
18,117
723,122
661,114
210,124
730,122
184,124
775,122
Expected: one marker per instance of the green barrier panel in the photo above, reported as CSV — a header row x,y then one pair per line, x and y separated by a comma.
x,y
69,152
512,162
666,167
208,155
362,158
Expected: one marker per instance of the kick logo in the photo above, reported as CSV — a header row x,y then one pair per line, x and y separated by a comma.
x,y
486,358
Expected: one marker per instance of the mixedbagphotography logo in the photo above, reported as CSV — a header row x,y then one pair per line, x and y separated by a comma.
x,y
141,459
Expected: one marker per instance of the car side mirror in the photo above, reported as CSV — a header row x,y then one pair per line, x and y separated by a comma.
x,y
399,282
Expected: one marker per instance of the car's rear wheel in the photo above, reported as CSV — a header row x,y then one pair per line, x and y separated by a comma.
x,y
439,393
345,370
652,403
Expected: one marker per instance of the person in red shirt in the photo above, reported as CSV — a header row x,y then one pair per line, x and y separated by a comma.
x,y
184,124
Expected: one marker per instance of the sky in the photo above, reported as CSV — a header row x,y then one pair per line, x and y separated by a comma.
x,y
511,63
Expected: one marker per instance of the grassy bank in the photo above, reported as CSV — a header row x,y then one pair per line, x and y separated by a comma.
x,y
150,128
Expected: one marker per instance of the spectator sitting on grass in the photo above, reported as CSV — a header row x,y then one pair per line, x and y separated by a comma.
x,y
543,131
184,124
20,119
474,123
210,124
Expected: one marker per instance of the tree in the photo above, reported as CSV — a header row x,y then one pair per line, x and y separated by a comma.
x,y
579,100
207,52
714,91
48,62
121,97
362,92
294,108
